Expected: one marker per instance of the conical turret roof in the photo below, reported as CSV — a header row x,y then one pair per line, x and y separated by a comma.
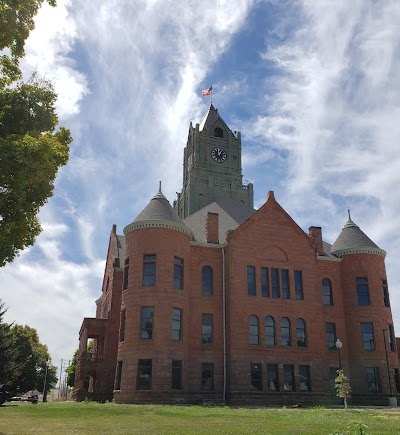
x,y
158,214
352,240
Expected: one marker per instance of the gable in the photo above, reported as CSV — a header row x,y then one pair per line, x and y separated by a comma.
x,y
273,234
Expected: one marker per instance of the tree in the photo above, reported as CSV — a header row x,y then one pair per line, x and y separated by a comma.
x,y
30,156
342,385
5,345
29,358
71,370
30,152
16,22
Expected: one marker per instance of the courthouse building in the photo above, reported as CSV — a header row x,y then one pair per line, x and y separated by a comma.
x,y
211,300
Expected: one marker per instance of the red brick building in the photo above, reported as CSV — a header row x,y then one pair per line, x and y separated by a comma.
x,y
231,304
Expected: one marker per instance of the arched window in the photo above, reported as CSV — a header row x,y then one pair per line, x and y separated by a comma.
x,y
327,295
269,325
285,332
301,335
218,132
207,281
254,336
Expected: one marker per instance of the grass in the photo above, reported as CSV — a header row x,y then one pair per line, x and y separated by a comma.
x,y
109,418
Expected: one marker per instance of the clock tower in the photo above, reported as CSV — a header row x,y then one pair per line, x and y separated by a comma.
x,y
211,166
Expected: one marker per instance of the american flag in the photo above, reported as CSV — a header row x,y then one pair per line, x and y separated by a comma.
x,y
206,92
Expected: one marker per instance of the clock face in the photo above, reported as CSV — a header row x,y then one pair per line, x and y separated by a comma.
x,y
218,154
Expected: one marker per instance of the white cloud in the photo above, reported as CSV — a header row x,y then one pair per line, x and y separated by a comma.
x,y
128,76
336,113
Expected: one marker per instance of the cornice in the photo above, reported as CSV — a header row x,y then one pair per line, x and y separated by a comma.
x,y
341,252
157,224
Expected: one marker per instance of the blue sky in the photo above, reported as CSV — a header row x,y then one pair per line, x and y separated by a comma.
x,y
312,85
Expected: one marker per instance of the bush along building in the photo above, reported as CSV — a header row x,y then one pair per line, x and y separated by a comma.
x,y
212,300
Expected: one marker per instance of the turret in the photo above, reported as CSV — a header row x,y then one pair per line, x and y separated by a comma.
x,y
367,311
155,296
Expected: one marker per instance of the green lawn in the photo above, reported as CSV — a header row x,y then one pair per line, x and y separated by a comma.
x,y
93,418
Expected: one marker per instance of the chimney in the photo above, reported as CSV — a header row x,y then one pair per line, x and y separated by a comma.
x,y
212,228
114,229
316,235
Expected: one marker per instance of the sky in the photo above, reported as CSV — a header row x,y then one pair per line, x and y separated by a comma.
x,y
313,86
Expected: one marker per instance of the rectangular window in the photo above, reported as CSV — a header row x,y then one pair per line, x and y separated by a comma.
x,y
149,270
144,374
176,327
273,380
206,329
176,375
397,379
391,338
288,377
122,326
276,293
367,336
265,282
372,376
178,273
256,376
385,293
207,376
118,377
330,334
146,322
285,284
362,291
332,378
298,284
251,281
305,380
126,274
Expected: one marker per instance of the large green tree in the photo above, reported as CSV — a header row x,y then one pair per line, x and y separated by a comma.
x,y
16,22
29,358
31,152
5,345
